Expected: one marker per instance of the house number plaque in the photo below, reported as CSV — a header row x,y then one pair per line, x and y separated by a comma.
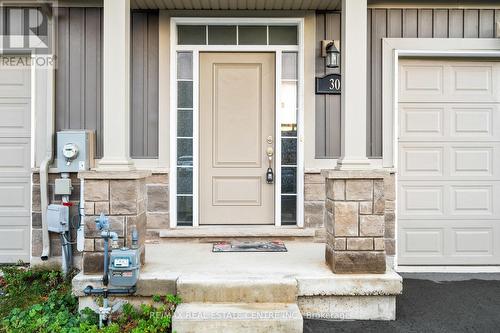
x,y
329,84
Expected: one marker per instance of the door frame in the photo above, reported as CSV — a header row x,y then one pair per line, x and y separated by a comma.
x,y
196,49
422,48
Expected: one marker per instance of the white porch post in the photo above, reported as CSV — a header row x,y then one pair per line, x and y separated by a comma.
x,y
116,80
353,69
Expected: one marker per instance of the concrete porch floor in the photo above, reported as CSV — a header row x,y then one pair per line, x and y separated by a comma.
x,y
299,276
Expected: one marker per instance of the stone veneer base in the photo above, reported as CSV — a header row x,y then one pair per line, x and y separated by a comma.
x,y
121,196
357,204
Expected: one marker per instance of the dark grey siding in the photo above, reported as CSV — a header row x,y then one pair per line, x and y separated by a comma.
x,y
414,23
79,77
395,23
144,85
327,106
79,71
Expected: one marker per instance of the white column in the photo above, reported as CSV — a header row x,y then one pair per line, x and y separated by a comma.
x,y
353,67
116,81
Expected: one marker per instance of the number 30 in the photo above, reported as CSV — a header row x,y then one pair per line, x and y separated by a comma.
x,y
334,84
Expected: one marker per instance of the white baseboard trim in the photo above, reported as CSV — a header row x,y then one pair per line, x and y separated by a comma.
x,y
447,269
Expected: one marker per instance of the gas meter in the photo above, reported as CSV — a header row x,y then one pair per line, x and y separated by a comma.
x,y
124,266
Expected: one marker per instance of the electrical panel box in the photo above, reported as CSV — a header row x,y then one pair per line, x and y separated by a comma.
x,y
124,267
63,186
58,218
75,150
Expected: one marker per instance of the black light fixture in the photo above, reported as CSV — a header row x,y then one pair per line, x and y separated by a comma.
x,y
330,51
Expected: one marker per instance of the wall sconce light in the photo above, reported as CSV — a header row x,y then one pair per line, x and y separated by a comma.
x,y
330,49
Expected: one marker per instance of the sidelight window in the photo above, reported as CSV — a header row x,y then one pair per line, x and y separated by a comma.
x,y
288,117
184,138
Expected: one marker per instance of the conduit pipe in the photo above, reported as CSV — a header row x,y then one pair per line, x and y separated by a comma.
x,y
47,161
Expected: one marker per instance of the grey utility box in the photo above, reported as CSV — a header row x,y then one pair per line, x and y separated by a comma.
x,y
58,218
124,267
75,150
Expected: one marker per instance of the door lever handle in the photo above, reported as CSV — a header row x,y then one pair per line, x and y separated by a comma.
x,y
269,172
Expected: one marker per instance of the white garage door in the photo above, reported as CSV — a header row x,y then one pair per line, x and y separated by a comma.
x,y
449,163
15,173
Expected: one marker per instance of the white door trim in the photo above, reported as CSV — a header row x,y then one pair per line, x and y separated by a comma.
x,y
196,49
392,50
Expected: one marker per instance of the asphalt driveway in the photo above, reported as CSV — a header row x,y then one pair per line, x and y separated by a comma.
x,y
434,303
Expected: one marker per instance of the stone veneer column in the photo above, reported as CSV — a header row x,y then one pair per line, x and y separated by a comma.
x,y
355,221
122,197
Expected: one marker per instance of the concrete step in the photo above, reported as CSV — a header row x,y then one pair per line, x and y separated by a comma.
x,y
237,289
229,232
237,317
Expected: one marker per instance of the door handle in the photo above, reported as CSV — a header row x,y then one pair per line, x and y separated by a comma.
x,y
269,172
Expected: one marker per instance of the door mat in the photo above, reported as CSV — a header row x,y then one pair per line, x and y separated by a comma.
x,y
250,246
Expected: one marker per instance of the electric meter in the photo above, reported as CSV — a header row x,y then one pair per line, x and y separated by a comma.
x,y
75,150
70,151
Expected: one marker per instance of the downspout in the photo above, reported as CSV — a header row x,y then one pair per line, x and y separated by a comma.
x,y
47,161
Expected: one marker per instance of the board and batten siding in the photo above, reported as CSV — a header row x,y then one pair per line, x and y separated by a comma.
x,y
392,23
144,85
79,71
79,77
327,117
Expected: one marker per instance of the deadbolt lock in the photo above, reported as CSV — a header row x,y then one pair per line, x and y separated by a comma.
x,y
269,139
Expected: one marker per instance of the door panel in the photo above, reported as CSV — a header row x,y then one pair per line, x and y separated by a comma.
x,y
237,102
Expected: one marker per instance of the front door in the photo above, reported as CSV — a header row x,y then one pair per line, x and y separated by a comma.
x,y
237,106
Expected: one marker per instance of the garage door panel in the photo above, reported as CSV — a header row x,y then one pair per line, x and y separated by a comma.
x,y
473,121
15,197
473,241
421,200
15,82
473,81
421,121
448,161
15,117
422,241
474,161
450,81
421,80
460,242
15,236
15,157
449,122
422,161
450,199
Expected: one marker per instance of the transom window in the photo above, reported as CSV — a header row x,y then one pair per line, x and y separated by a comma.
x,y
237,35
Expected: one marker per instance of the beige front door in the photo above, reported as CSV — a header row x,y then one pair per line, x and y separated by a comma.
x,y
236,129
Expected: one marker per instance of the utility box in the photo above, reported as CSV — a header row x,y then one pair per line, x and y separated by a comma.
x,y
63,186
75,150
58,218
124,267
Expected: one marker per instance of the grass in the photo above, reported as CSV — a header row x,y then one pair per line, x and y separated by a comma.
x,y
39,300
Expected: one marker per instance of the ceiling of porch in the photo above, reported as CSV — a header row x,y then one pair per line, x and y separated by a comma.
x,y
237,4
